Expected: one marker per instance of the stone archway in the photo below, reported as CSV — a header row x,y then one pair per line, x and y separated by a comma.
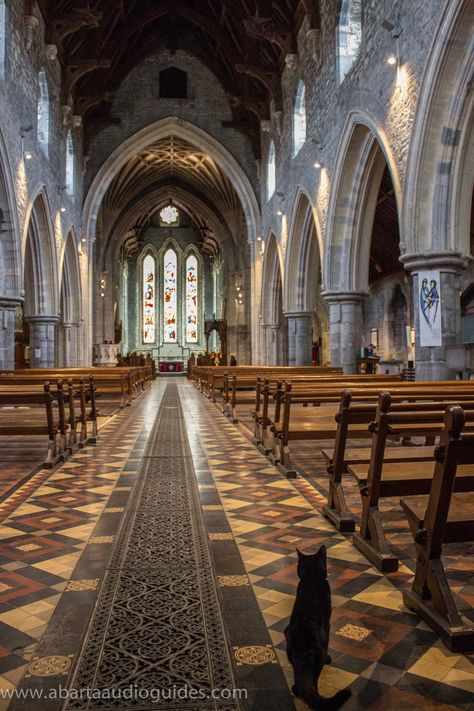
x,y
304,307
40,284
70,303
440,177
273,321
10,301
247,229
364,161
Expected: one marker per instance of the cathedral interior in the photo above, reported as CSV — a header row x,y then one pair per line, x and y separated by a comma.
x,y
236,325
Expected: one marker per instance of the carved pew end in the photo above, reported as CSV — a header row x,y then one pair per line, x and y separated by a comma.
x,y
458,639
385,562
344,523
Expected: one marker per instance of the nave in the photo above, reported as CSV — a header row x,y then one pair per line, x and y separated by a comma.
x,y
164,557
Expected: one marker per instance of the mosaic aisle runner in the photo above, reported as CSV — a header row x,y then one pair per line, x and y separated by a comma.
x,y
157,623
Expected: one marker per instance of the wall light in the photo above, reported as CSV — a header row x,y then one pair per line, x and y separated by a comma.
x,y
318,164
27,155
279,213
391,60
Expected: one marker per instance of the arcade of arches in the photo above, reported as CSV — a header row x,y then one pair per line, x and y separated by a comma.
x,y
257,163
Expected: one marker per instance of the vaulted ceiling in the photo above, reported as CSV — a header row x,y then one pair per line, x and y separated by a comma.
x,y
171,167
244,42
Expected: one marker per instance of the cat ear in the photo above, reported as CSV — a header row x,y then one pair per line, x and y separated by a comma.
x,y
322,552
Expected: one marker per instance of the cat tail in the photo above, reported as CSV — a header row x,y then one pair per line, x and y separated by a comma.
x,y
305,688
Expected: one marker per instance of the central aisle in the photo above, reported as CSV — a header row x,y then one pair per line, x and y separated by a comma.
x,y
174,623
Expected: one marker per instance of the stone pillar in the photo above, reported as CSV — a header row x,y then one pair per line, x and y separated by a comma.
x,y
7,332
266,344
430,362
346,328
300,337
66,348
42,341
276,348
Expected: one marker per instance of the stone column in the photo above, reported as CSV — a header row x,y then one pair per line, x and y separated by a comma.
x,y
42,341
266,344
346,328
430,362
276,356
300,337
7,332
66,348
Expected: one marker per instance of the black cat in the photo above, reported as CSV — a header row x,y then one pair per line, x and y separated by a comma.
x,y
307,633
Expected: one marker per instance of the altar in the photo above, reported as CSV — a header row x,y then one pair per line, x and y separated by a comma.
x,y
170,366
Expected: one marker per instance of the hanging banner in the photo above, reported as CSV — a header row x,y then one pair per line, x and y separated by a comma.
x,y
429,304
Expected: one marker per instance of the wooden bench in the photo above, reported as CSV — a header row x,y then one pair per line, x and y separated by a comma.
x,y
210,379
270,396
115,386
28,413
353,420
303,423
439,518
382,479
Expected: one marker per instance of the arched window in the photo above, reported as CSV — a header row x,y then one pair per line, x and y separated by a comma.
x,y
3,37
271,171
349,36
70,163
43,112
170,297
149,299
299,120
191,299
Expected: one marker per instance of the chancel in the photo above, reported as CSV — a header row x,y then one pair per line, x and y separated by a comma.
x,y
236,355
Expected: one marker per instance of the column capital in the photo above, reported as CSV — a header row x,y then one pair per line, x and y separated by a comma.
x,y
10,302
339,297
297,314
446,260
40,318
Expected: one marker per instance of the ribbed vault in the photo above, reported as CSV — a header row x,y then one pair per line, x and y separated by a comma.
x,y
171,169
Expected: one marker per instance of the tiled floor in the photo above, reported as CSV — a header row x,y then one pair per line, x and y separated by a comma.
x,y
57,536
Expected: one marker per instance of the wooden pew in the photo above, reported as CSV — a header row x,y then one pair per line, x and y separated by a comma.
x,y
38,419
439,518
272,392
210,379
382,479
117,386
308,424
353,420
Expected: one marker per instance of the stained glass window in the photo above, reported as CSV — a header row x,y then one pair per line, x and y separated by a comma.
x,y
169,214
170,297
191,299
70,163
149,299
43,112
349,35
271,171
299,120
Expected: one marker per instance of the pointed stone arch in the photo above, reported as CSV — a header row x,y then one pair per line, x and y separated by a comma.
x,y
440,168
70,305
273,321
40,282
10,259
362,157
304,305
